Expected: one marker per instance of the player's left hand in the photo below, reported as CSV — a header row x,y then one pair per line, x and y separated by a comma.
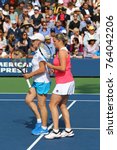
x,y
26,75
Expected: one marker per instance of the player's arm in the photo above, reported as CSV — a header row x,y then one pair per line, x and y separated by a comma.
x,y
42,69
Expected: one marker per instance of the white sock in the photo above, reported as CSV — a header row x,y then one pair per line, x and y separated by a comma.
x,y
56,130
44,127
39,121
68,129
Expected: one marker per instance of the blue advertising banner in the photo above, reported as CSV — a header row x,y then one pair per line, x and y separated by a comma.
x,y
80,67
86,67
7,68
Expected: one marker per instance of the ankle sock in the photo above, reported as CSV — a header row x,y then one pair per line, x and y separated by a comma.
x,y
56,130
44,127
68,129
39,121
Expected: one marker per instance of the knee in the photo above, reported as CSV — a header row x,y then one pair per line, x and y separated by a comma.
x,y
41,105
52,105
63,106
27,101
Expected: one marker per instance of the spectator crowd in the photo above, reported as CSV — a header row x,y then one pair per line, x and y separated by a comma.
x,y
78,20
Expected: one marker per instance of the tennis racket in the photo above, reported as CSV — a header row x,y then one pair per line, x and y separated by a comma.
x,y
20,62
45,52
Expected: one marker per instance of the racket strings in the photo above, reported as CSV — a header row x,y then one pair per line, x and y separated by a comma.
x,y
45,52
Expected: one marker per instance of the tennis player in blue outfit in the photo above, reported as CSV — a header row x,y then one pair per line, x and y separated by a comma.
x,y
40,86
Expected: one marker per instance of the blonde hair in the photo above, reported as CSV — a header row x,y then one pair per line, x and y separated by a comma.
x,y
60,37
75,30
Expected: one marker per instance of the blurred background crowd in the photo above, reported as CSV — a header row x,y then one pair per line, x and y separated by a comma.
x,y
78,20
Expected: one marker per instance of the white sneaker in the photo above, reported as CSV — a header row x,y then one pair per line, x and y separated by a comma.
x,y
67,134
53,135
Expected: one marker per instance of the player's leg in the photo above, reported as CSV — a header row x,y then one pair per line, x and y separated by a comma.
x,y
44,115
54,102
65,113
43,108
30,102
64,110
42,90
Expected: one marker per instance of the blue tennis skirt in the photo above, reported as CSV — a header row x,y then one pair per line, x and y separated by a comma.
x,y
41,87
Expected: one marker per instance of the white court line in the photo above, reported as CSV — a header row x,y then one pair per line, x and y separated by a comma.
x,y
51,93
22,100
40,137
84,128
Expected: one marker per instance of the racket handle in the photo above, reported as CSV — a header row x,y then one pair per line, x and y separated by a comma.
x,y
28,82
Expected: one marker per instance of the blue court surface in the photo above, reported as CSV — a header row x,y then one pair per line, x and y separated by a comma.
x,y
17,121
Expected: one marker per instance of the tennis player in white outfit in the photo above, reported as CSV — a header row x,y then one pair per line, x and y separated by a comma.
x,y
40,86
